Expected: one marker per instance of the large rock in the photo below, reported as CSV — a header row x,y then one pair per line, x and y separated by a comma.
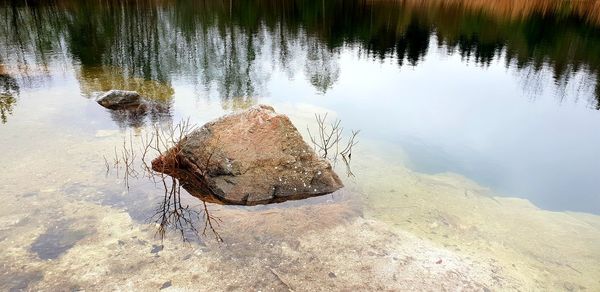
x,y
252,157
121,99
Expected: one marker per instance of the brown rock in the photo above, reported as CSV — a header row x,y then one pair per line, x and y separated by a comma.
x,y
252,157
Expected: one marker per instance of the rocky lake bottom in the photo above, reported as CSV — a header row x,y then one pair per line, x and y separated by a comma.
x,y
66,224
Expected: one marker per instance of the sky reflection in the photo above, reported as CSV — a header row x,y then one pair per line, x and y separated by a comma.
x,y
494,97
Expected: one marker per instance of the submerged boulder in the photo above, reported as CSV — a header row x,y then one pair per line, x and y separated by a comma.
x,y
121,99
252,157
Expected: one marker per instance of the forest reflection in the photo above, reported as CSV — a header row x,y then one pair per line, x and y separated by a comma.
x,y
232,48
8,90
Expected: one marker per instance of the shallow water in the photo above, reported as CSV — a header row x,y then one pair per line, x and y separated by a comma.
x,y
476,166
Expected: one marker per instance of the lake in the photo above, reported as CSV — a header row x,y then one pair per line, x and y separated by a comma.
x,y
476,167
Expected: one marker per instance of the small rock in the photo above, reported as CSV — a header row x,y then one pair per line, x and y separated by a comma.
x,y
156,248
332,275
120,99
165,285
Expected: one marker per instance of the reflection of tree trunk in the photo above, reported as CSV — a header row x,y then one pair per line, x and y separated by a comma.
x,y
597,93
323,13
17,34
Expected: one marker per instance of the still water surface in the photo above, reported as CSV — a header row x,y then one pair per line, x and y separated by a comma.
x,y
473,96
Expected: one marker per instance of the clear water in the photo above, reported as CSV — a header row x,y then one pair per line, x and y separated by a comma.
x,y
479,141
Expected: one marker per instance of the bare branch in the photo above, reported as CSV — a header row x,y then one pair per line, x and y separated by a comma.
x,y
327,142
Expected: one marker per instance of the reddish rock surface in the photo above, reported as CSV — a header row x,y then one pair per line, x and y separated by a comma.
x,y
252,157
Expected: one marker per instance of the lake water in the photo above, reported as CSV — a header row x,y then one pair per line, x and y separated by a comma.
x,y
477,165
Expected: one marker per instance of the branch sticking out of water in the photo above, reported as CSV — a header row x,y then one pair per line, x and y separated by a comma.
x,y
327,141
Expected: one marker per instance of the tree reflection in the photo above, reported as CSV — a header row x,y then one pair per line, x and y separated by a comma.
x,y
7,102
8,89
413,44
231,48
321,66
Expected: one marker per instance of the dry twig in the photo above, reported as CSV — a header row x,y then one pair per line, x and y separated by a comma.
x,y
327,141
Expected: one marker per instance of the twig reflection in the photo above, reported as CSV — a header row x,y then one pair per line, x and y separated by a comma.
x,y
171,214
190,222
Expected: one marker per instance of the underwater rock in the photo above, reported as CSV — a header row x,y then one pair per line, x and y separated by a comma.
x,y
121,99
252,157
